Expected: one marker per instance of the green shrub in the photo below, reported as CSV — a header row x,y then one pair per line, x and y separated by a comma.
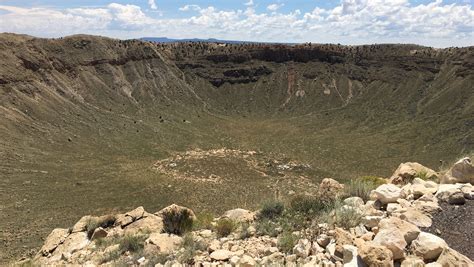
x,y
110,256
374,181
345,217
358,188
362,186
204,221
177,222
307,204
271,210
107,221
224,227
267,227
94,223
154,259
132,243
191,247
286,242
91,225
244,230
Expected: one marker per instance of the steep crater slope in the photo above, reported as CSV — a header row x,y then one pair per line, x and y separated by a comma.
x,y
84,120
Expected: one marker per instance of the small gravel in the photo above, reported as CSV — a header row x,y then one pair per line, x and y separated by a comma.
x,y
455,224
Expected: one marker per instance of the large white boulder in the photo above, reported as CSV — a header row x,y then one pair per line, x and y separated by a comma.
x,y
387,193
428,246
416,217
450,257
394,240
409,231
239,215
461,172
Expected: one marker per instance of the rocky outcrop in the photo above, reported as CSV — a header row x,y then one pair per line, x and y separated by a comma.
x,y
461,172
408,171
388,234
428,246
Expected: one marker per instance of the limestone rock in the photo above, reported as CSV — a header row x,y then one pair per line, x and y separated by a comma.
x,y
162,243
428,246
412,261
446,190
125,219
302,248
409,231
54,239
136,213
74,242
450,257
342,238
351,257
354,202
151,223
416,217
427,204
99,232
387,193
247,261
323,240
371,221
461,172
330,188
80,226
375,255
457,198
239,215
407,171
394,240
221,255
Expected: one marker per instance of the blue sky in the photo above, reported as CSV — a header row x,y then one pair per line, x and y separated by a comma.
x,y
438,23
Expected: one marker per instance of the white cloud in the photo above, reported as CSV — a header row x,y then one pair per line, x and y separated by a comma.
x,y
351,22
274,7
190,7
249,3
152,4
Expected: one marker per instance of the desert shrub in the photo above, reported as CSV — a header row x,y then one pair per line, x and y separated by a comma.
x,y
267,227
132,243
423,175
110,256
177,222
374,181
286,242
307,204
107,221
154,259
244,230
191,247
344,216
224,227
271,210
91,225
362,186
358,188
94,223
204,221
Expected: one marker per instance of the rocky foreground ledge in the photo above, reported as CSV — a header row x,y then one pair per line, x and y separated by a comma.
x,y
351,226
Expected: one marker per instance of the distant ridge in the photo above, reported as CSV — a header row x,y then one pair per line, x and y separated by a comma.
x,y
196,40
